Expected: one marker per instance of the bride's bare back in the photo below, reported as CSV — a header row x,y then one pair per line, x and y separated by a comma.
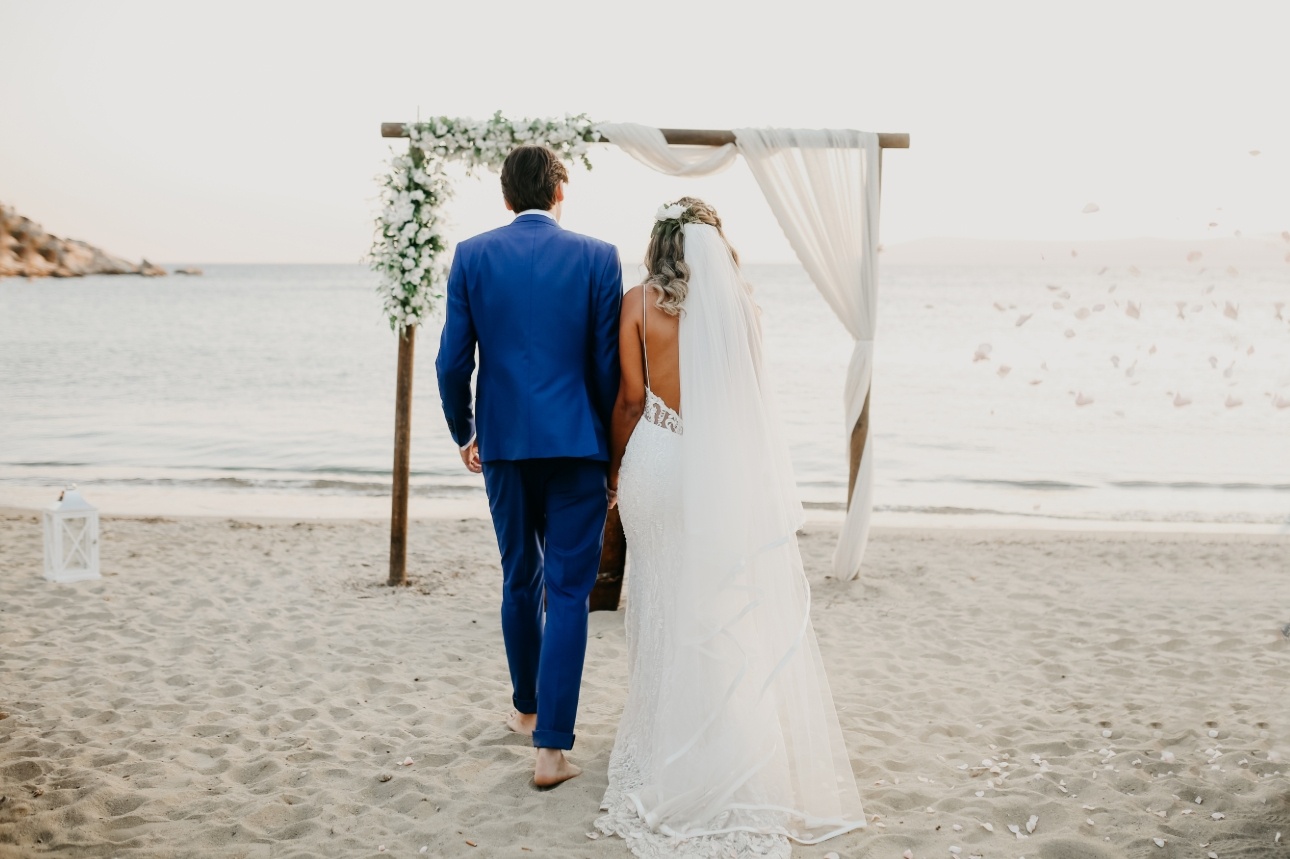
x,y
659,336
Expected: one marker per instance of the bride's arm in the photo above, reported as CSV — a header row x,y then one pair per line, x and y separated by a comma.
x,y
631,390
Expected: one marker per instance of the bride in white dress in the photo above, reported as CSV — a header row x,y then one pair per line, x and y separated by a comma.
x,y
729,743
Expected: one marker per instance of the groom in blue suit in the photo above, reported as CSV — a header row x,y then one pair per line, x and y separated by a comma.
x,y
541,305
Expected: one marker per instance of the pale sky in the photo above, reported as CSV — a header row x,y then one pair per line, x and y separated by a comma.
x,y
249,131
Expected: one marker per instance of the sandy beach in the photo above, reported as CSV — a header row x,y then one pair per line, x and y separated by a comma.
x,y
250,688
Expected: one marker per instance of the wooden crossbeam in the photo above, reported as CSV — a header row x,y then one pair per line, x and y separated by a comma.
x,y
689,136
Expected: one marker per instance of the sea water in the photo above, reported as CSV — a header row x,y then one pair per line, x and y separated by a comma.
x,y
255,378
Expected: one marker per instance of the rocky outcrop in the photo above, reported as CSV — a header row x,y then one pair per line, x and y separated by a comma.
x,y
26,250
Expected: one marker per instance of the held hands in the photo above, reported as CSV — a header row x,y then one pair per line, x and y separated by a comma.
x,y
470,457
613,497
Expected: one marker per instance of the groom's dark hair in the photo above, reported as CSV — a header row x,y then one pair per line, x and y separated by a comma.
x,y
530,177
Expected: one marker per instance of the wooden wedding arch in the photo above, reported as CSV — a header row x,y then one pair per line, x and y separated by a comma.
x,y
605,596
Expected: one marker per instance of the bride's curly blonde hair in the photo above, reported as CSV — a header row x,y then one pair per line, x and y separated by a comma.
x,y
665,254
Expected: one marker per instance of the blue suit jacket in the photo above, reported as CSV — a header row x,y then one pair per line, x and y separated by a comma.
x,y
541,304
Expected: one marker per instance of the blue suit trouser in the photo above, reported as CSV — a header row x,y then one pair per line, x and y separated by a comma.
x,y
549,515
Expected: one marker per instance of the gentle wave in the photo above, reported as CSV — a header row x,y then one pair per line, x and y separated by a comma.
x,y
1062,485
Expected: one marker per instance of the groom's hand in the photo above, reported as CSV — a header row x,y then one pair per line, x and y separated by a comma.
x,y
470,456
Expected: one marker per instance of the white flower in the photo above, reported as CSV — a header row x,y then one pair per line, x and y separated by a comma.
x,y
670,213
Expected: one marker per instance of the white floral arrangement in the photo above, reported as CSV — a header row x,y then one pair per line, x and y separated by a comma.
x,y
409,250
671,213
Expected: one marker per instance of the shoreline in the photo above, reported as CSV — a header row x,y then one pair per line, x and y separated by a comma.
x,y
267,505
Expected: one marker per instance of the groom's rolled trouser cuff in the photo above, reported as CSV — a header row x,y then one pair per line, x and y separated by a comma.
x,y
553,740
527,706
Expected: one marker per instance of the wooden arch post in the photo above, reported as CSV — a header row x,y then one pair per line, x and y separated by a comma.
x,y
609,581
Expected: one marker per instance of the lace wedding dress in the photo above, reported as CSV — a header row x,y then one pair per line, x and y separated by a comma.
x,y
729,743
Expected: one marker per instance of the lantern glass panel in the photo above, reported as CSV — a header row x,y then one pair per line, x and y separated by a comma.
x,y
76,540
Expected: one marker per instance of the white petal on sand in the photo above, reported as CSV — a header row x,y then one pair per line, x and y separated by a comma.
x,y
1200,800
908,854
1089,821
424,848
956,850
1231,310
982,352
958,827
988,827
1003,371
1218,815
1133,310
1090,208
1160,842
407,762
1023,318
1232,402
1213,734
1180,400
831,855
1032,823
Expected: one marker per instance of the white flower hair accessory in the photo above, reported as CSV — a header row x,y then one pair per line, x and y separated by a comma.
x,y
670,213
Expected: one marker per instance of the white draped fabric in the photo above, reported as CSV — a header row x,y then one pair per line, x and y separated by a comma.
x,y
823,187
647,145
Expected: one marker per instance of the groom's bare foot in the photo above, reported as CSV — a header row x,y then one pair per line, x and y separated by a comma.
x,y
552,768
522,723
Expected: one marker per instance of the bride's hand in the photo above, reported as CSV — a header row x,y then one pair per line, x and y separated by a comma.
x,y
613,498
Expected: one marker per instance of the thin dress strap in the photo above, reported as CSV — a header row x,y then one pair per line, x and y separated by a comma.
x,y
644,349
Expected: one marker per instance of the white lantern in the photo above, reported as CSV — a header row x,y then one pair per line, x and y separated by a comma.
x,y
71,539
